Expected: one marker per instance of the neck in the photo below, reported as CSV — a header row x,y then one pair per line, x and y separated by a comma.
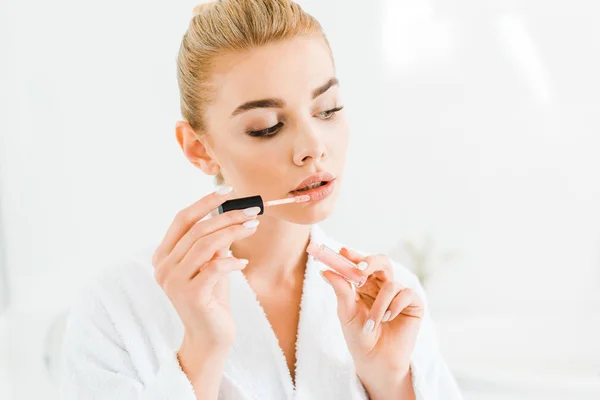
x,y
276,251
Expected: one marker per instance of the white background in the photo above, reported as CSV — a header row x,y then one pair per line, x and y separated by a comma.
x,y
475,123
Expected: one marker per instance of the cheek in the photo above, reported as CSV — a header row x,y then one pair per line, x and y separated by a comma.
x,y
338,142
258,166
252,166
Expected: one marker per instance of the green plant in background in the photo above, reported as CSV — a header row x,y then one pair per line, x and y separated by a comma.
x,y
420,255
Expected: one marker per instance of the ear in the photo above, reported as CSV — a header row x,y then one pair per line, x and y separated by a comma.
x,y
196,149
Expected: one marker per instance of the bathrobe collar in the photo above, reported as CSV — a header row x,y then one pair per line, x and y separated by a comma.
x,y
256,365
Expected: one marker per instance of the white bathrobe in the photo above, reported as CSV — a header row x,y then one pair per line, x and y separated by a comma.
x,y
123,334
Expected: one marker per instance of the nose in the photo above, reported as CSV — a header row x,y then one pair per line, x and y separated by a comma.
x,y
309,147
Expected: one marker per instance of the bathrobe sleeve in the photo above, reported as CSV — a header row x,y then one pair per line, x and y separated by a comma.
x,y
431,377
95,363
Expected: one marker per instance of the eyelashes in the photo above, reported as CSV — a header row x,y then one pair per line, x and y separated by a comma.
x,y
272,131
266,132
330,113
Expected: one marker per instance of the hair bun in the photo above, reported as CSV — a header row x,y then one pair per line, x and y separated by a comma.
x,y
200,8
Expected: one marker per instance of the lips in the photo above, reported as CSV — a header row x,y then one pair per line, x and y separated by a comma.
x,y
311,186
314,181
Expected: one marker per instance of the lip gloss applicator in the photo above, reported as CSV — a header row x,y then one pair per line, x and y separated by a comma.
x,y
257,201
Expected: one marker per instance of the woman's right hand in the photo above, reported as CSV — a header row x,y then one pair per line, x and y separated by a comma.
x,y
191,265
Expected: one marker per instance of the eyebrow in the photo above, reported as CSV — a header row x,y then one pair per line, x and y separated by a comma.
x,y
279,103
322,89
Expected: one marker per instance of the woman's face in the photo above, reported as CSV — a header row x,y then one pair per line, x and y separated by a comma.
x,y
274,122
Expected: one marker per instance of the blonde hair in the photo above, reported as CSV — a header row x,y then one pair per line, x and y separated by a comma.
x,y
226,26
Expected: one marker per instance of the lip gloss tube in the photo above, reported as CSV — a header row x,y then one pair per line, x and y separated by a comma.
x,y
336,262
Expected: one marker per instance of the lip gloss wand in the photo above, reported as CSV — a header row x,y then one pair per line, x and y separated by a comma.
x,y
257,201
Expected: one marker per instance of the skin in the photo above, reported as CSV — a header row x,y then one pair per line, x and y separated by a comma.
x,y
312,139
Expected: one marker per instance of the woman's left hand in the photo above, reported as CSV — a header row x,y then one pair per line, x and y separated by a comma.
x,y
380,321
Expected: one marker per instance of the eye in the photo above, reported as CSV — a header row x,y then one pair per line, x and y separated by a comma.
x,y
330,113
264,133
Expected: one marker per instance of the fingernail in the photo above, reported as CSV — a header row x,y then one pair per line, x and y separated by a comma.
x,y
386,316
369,326
253,223
243,261
224,190
323,276
229,253
362,265
251,211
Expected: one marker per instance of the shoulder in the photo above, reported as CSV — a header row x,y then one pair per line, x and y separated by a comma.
x,y
125,287
133,271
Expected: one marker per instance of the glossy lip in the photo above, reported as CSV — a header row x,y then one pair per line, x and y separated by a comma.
x,y
318,193
320,177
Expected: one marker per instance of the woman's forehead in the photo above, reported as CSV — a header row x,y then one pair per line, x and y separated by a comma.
x,y
290,68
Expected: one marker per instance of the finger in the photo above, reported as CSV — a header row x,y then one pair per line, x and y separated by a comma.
x,y
215,245
212,272
352,255
345,295
223,253
407,302
382,303
208,226
369,265
356,258
188,216
379,266
205,248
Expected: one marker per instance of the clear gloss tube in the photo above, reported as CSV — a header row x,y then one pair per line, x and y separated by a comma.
x,y
336,262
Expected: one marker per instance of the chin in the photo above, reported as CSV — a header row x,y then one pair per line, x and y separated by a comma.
x,y
309,217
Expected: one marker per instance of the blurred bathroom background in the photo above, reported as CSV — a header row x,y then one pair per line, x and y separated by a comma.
x,y
474,159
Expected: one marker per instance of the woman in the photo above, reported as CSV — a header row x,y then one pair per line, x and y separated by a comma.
x,y
227,308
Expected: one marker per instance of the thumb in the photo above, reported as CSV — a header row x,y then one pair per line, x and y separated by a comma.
x,y
346,298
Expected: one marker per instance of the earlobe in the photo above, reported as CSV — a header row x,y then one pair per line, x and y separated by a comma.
x,y
212,169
